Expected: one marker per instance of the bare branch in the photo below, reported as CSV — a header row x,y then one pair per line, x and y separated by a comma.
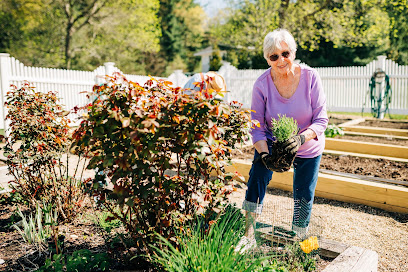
x,y
92,14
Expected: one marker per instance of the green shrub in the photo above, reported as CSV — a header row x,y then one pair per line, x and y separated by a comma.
x,y
38,138
333,131
159,148
284,127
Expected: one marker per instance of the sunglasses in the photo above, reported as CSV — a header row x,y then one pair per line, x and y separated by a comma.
x,y
275,57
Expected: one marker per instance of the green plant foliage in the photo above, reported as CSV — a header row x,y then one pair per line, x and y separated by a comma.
x,y
38,138
36,229
159,147
80,261
284,127
104,221
211,249
292,258
80,34
333,131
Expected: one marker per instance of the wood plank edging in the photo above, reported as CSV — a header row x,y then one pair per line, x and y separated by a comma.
x,y
354,259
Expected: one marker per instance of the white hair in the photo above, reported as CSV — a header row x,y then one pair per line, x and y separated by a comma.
x,y
273,41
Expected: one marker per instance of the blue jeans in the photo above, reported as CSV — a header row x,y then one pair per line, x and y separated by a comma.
x,y
304,184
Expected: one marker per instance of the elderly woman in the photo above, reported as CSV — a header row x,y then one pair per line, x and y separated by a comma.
x,y
294,90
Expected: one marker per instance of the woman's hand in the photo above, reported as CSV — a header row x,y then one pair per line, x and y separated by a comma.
x,y
291,146
268,160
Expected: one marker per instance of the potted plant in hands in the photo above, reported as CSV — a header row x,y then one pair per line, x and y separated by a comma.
x,y
286,144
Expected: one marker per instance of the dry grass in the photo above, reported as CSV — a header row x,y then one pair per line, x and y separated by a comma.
x,y
352,224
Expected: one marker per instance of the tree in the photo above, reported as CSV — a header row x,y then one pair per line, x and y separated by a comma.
x,y
398,12
246,25
31,34
182,30
81,34
130,43
346,23
78,14
215,60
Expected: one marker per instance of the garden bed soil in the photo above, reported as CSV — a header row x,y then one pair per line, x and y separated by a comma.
x,y
370,122
385,124
82,233
375,140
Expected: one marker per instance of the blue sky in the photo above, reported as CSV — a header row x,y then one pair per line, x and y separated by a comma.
x,y
212,6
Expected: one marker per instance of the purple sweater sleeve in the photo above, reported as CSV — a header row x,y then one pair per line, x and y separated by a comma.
x,y
258,113
307,106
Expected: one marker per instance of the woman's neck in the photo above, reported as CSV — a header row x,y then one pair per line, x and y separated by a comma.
x,y
289,75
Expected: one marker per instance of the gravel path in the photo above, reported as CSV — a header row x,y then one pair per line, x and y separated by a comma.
x,y
352,224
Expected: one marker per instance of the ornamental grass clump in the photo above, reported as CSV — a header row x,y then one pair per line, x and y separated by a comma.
x,y
163,153
38,226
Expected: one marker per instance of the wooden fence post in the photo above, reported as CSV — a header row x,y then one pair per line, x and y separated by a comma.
x,y
109,68
5,76
178,78
227,71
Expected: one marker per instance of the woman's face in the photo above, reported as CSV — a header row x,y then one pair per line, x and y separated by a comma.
x,y
281,60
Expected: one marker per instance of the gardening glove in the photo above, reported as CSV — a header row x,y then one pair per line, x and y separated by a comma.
x,y
291,146
274,163
268,160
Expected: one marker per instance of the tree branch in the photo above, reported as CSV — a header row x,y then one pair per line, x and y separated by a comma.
x,y
282,12
90,12
91,15
326,3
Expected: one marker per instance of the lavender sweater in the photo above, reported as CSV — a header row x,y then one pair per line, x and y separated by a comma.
x,y
307,106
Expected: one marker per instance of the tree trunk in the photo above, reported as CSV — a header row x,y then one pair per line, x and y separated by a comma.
x,y
68,38
282,12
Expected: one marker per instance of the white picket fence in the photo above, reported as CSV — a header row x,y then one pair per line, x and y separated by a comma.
x,y
70,85
345,87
